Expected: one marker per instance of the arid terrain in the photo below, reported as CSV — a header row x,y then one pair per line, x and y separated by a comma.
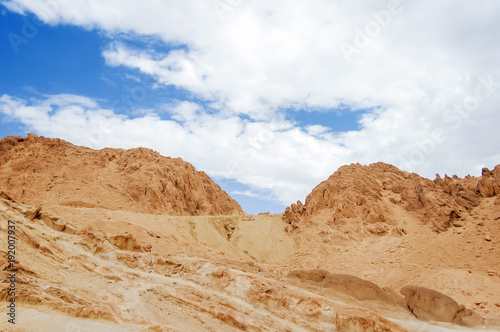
x,y
129,240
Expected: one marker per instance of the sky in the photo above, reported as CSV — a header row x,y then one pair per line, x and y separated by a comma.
x,y
269,98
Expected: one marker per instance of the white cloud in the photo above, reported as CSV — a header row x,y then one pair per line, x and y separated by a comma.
x,y
246,193
316,130
186,111
262,155
419,72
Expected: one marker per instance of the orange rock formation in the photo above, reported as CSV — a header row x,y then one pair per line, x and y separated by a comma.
x,y
363,195
38,170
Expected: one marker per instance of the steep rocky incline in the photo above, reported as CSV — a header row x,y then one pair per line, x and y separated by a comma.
x,y
366,196
39,170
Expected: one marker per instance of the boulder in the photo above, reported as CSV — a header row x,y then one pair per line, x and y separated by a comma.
x,y
353,286
428,304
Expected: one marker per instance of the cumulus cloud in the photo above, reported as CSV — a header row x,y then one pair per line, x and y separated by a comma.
x,y
262,155
427,72
246,193
316,130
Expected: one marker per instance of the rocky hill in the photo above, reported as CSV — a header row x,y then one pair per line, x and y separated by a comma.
x,y
38,170
128,240
367,196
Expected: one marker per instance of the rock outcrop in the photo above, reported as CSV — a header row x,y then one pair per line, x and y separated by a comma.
x,y
38,170
428,304
366,195
353,286
489,183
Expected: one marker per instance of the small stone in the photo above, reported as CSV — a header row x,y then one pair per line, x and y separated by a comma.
x,y
491,273
497,304
458,223
487,237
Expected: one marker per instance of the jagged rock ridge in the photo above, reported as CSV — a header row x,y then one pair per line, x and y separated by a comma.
x,y
363,195
39,170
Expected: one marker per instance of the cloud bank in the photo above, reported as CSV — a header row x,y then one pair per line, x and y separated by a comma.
x,y
425,75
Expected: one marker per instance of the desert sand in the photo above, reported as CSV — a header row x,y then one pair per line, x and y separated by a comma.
x,y
128,240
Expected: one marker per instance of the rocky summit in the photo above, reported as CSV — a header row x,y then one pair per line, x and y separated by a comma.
x,y
366,197
39,170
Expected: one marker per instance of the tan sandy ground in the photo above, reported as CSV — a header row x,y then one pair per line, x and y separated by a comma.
x,y
102,270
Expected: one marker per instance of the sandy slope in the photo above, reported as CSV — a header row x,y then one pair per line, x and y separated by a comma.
x,y
98,269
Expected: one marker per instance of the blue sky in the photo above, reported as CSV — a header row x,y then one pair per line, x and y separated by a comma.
x,y
65,59
268,99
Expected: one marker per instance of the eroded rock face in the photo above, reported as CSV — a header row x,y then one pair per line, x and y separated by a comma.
x,y
428,304
489,184
363,195
39,170
292,214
